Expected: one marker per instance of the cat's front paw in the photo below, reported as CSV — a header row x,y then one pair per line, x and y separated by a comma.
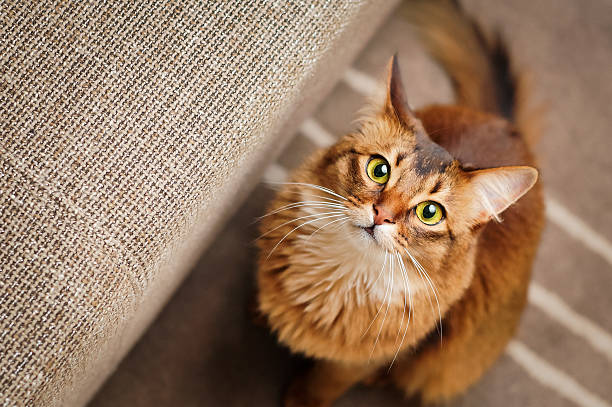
x,y
297,395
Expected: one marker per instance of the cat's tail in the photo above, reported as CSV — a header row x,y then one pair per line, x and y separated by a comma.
x,y
479,66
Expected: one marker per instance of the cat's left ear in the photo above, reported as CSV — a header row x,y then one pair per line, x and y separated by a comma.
x,y
495,189
396,104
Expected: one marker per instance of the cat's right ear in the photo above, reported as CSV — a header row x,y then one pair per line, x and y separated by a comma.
x,y
495,189
396,103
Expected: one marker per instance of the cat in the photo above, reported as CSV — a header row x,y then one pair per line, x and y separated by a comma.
x,y
403,252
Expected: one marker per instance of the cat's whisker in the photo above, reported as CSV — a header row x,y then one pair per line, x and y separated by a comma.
x,y
379,274
382,325
300,218
381,305
319,187
410,307
399,329
435,293
300,204
429,292
297,227
345,219
418,266
422,277
304,193
434,290
342,223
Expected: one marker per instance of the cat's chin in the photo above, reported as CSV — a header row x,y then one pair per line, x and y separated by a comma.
x,y
369,230
366,233
372,236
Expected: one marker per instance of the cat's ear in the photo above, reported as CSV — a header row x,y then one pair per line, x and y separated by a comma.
x,y
493,190
396,104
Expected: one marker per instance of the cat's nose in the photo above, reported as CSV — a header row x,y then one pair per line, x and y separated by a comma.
x,y
382,215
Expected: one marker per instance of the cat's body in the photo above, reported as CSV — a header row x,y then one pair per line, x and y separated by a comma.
x,y
360,280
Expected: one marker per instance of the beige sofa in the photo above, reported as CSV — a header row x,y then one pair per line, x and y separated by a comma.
x,y
128,133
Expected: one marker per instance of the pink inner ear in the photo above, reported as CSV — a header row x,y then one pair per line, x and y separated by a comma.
x,y
498,188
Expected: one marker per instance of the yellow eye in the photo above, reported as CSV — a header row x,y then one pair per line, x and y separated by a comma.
x,y
429,212
378,170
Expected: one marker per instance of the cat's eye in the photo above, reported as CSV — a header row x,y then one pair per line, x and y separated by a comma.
x,y
378,170
429,212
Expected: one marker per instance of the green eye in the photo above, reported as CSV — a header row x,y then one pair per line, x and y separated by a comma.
x,y
429,212
378,170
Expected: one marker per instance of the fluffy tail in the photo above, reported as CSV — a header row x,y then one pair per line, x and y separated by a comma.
x,y
479,66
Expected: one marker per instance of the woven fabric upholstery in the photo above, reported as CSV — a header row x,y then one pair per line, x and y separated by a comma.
x,y
126,133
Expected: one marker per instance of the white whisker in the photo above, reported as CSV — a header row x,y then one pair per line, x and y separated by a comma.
x,y
386,291
419,267
297,227
300,204
410,307
404,310
300,218
429,292
422,277
379,274
386,311
345,219
304,193
435,293
319,187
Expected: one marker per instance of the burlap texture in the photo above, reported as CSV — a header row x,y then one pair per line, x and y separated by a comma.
x,y
127,131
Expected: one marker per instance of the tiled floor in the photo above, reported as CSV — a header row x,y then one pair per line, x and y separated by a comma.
x,y
203,351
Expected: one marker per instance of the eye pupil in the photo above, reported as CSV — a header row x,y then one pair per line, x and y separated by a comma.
x,y
429,211
381,170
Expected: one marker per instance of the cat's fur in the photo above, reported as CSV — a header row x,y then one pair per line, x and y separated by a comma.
x,y
355,300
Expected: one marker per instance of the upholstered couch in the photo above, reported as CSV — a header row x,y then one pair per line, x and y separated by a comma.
x,y
128,132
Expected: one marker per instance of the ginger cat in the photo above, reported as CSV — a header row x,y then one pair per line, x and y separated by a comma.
x,y
405,249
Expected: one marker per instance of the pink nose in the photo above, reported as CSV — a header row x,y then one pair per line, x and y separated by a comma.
x,y
382,215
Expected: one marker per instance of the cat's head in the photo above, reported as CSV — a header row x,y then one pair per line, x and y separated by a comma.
x,y
406,193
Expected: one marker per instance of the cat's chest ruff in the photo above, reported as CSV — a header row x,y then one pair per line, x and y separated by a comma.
x,y
352,271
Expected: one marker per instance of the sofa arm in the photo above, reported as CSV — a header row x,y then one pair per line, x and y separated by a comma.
x,y
128,132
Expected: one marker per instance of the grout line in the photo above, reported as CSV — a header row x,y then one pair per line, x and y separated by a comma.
x,y
558,310
576,228
549,376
